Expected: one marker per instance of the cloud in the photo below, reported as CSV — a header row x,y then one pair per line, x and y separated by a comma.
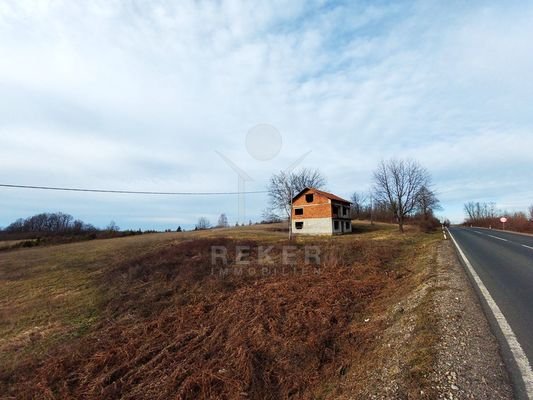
x,y
117,94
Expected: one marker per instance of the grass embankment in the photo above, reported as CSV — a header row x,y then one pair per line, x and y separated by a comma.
x,y
149,316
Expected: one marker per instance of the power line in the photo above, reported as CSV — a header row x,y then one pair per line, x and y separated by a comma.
x,y
66,189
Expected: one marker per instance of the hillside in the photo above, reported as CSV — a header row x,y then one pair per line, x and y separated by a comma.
x,y
150,317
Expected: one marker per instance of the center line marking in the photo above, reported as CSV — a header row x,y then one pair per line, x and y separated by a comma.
x,y
529,247
496,237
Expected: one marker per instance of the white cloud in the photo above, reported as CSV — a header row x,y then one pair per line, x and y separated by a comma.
x,y
139,95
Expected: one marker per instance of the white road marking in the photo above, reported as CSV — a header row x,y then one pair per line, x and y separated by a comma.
x,y
496,237
529,247
519,356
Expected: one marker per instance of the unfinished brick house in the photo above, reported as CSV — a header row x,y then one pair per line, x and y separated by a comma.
x,y
315,212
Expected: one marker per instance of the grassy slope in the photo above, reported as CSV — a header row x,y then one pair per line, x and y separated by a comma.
x,y
5,244
152,288
50,292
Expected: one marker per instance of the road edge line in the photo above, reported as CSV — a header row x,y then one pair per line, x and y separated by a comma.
x,y
517,352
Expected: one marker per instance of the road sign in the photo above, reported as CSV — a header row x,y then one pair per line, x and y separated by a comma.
x,y
503,220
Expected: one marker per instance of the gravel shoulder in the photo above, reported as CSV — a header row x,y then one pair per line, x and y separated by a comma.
x,y
468,361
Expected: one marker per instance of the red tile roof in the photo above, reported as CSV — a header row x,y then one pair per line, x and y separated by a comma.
x,y
325,194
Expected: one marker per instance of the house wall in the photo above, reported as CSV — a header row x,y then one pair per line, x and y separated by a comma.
x,y
319,208
314,226
318,217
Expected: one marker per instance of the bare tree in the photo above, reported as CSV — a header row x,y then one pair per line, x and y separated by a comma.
x,y
269,216
427,202
112,227
359,202
285,185
530,209
470,210
477,212
222,221
398,183
203,223
492,212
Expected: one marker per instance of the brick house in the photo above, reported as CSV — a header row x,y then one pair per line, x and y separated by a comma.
x,y
316,212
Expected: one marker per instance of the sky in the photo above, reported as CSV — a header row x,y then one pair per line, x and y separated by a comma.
x,y
157,96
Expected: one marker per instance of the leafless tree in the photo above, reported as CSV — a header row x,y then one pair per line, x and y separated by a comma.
x,y
203,223
530,209
492,211
427,202
50,223
112,227
470,210
269,216
222,221
477,212
359,203
398,183
77,226
285,185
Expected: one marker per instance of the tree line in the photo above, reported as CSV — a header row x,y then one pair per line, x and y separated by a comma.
x,y
486,214
223,222
51,223
59,224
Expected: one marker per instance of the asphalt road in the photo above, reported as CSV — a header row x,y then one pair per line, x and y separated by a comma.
x,y
504,263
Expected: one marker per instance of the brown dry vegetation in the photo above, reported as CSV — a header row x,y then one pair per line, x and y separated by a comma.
x,y
7,244
149,318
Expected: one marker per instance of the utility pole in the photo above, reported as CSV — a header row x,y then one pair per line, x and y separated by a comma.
x,y
371,209
290,219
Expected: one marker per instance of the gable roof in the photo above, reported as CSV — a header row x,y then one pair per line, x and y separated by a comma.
x,y
330,196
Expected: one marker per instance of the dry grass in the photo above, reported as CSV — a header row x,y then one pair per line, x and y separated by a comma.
x,y
55,285
6,244
399,363
145,317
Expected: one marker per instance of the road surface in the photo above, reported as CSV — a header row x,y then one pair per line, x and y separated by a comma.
x,y
504,263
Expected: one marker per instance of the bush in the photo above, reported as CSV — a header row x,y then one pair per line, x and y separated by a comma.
x,y
429,224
